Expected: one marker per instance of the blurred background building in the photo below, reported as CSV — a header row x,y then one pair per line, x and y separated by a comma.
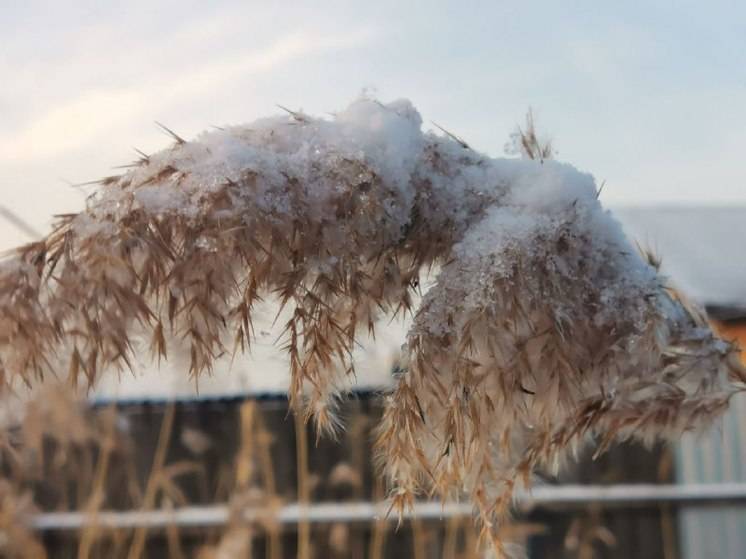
x,y
702,250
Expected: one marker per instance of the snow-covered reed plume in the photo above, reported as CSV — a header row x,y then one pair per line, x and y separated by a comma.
x,y
544,325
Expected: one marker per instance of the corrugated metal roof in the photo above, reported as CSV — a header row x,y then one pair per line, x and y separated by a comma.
x,y
702,253
702,248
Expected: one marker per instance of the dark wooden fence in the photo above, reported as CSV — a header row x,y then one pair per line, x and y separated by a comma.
x,y
227,450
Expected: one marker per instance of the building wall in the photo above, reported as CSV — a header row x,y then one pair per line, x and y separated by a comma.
x,y
716,456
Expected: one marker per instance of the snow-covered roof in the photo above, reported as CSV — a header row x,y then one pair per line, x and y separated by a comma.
x,y
264,371
702,249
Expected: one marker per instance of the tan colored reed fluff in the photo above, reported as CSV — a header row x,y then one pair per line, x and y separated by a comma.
x,y
544,326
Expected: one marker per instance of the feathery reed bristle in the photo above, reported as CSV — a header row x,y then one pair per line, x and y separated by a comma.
x,y
544,325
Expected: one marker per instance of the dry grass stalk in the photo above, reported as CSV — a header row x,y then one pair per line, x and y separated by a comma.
x,y
98,493
304,486
47,452
51,453
379,526
156,475
544,327
527,143
237,541
173,538
419,539
254,457
668,514
18,541
586,532
453,526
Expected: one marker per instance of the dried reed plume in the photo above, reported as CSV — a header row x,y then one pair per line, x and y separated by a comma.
x,y
544,326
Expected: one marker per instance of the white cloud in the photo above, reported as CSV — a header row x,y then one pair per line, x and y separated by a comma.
x,y
89,117
71,125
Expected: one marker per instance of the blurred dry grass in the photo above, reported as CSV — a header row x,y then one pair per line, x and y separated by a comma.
x,y
88,458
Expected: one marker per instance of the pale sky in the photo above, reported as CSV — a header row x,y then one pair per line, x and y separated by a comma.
x,y
648,97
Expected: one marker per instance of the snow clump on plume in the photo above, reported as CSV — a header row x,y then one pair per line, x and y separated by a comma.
x,y
544,325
